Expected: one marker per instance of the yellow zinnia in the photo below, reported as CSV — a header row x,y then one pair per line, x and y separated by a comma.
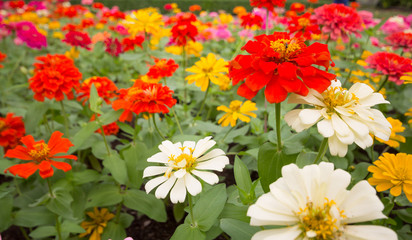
x,y
393,172
207,69
396,128
73,53
96,226
143,20
237,110
409,114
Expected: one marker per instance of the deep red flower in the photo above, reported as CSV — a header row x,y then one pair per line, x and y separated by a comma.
x,y
2,57
162,68
183,31
106,89
389,64
250,19
186,17
282,65
16,4
71,27
303,26
195,7
11,130
297,7
168,7
109,129
400,40
40,156
130,43
54,77
98,5
144,97
113,46
76,38
87,23
268,4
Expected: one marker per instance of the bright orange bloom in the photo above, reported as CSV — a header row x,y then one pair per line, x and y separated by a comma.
x,y
195,8
297,7
144,97
109,129
303,26
354,5
106,89
2,57
55,76
269,4
162,68
11,130
313,1
39,154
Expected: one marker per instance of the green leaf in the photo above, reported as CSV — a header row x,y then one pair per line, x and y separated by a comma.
x,y
35,113
32,217
147,204
270,163
43,231
405,214
95,101
187,232
61,204
72,227
116,166
103,195
209,206
360,172
6,204
85,176
242,175
179,211
305,158
235,212
114,231
125,220
238,230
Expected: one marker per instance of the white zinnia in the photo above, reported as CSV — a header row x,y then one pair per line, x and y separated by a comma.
x,y
181,163
313,203
343,116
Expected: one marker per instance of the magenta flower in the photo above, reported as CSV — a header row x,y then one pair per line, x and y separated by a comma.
x,y
28,33
113,46
368,20
389,64
394,25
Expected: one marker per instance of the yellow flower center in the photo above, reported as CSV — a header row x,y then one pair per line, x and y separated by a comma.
x,y
161,64
183,161
235,106
2,125
318,222
285,47
338,96
303,22
40,152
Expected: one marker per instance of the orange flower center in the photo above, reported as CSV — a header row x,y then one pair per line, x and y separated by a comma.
x,y
161,64
285,47
303,22
40,152
2,125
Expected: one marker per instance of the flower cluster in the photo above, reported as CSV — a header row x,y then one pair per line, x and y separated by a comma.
x,y
11,130
106,89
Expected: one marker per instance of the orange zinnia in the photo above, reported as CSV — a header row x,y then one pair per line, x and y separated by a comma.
x,y
162,68
39,154
11,130
106,89
54,77
144,97
2,57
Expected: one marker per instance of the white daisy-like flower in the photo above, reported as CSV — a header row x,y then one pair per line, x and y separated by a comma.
x,y
313,203
343,116
182,161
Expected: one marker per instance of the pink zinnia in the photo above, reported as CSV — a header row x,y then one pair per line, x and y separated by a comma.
x,y
339,21
394,25
28,33
76,38
389,64
400,40
113,46
368,20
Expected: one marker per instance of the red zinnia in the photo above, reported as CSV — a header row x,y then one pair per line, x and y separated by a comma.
x,y
389,64
250,20
162,68
76,38
144,97
268,4
400,40
183,31
130,43
297,7
106,89
98,5
55,76
40,154
11,130
303,26
109,129
113,47
282,65
2,57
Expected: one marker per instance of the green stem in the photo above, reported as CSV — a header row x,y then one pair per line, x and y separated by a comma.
x,y
105,140
327,41
177,121
238,47
58,228
184,74
24,233
136,131
383,83
322,150
265,117
66,120
277,112
204,99
223,139
17,186
50,188
189,199
46,121
157,129
118,210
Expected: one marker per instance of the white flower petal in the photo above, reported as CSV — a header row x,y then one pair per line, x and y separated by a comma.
x,y
373,100
286,233
340,126
309,116
159,157
151,184
168,148
202,146
357,126
212,154
180,173
325,128
216,164
163,190
361,90
178,193
154,170
336,147
365,232
208,177
193,185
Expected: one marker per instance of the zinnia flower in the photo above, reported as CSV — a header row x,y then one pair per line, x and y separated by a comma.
x,y
249,20
162,68
182,32
76,38
2,57
28,33
400,40
11,130
144,97
339,21
393,172
303,26
343,116
281,64
314,203
268,4
106,89
113,46
237,110
108,129
181,162
55,76
389,64
394,139
394,24
297,7
143,20
40,156
409,114
98,222
207,69
130,43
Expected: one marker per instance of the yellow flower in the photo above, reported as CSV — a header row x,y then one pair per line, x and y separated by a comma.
x,y
409,114
224,83
96,226
58,35
237,110
73,53
99,26
396,128
225,18
148,79
206,70
143,20
393,172
89,15
194,48
54,25
407,78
